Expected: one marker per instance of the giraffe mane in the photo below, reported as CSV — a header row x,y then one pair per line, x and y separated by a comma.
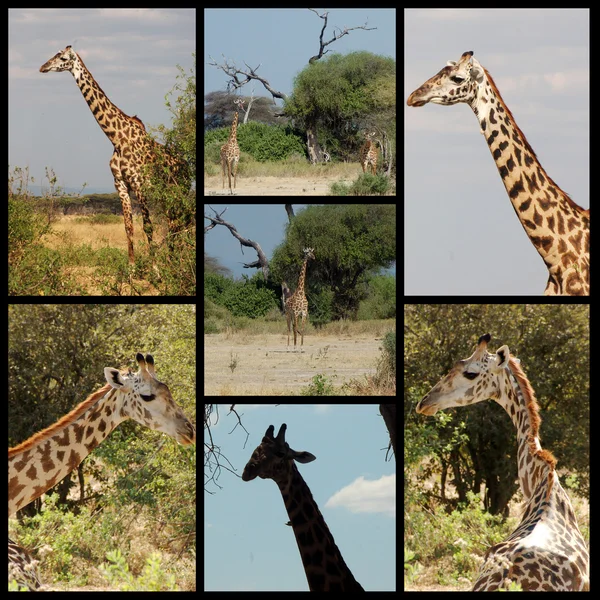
x,y
533,408
63,422
134,118
572,203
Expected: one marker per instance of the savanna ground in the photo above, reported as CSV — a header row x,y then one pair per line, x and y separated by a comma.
x,y
81,238
339,359
260,179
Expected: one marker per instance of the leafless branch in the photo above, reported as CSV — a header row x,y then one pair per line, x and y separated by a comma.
x,y
232,71
261,263
342,33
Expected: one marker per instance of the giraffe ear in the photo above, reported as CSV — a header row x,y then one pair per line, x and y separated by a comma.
x,y
114,377
477,71
301,457
502,357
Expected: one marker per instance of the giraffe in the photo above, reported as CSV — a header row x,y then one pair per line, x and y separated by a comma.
x,y
368,153
230,151
558,228
39,463
296,305
326,570
547,551
22,568
133,150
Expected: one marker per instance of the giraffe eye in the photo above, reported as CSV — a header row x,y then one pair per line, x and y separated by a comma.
x,y
470,375
147,398
457,79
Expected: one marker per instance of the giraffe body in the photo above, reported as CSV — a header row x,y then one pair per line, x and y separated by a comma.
x,y
43,460
547,551
133,150
296,305
369,153
326,570
230,151
558,228
22,568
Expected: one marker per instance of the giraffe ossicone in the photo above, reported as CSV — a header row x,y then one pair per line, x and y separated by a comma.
x,y
325,568
134,151
42,461
547,551
296,304
558,228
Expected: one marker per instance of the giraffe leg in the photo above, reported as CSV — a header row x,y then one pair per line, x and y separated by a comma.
x,y
127,216
289,322
122,190
229,167
302,332
235,165
295,327
148,229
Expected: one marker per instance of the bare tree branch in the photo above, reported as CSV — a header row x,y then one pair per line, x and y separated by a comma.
x,y
342,33
230,69
261,263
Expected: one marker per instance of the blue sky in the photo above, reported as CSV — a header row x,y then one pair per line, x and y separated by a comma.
x,y
462,235
248,547
282,40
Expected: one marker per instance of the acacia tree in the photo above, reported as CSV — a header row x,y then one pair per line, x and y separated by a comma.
x,y
239,77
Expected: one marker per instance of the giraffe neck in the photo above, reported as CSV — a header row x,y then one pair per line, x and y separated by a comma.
x,y
300,288
113,121
43,460
556,226
233,135
326,570
517,398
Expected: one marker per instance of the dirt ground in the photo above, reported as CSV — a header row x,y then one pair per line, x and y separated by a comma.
x,y
266,367
273,186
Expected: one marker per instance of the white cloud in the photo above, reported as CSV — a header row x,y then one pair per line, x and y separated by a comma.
x,y
362,495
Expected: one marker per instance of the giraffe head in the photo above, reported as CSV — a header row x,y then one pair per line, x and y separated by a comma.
x,y
469,381
456,82
61,61
149,402
309,253
273,458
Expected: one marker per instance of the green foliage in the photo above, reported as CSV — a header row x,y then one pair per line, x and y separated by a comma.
x,y
451,542
248,297
152,578
345,87
320,386
263,142
34,270
381,302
